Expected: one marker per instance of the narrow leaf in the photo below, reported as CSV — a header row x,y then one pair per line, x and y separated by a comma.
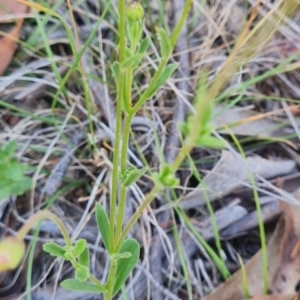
x,y
103,225
126,265
164,76
131,62
144,45
206,114
210,142
165,43
84,258
79,247
76,285
54,250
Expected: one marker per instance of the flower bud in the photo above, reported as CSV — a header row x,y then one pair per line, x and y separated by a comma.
x,y
134,11
12,251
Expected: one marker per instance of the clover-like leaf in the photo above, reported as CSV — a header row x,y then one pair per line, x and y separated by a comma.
x,y
103,225
126,265
12,179
82,273
78,286
54,250
9,149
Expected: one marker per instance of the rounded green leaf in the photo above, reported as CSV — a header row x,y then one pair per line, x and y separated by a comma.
x,y
82,273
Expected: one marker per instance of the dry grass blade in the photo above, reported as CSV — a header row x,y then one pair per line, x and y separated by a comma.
x,y
251,42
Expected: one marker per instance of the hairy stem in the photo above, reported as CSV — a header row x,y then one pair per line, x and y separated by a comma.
x,y
123,192
137,215
118,129
39,216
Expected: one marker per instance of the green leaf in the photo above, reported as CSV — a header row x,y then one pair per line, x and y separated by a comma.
x,y
15,171
132,62
210,142
54,250
78,286
103,225
131,175
144,46
128,53
115,68
79,247
165,43
84,258
82,273
206,114
12,179
9,149
126,265
164,76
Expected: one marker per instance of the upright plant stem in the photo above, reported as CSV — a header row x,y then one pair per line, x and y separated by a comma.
x,y
113,201
137,215
145,95
120,98
181,22
123,192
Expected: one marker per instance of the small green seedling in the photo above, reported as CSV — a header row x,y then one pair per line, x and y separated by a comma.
x,y
12,178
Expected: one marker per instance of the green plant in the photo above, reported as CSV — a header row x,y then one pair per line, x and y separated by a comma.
x,y
123,252
12,179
